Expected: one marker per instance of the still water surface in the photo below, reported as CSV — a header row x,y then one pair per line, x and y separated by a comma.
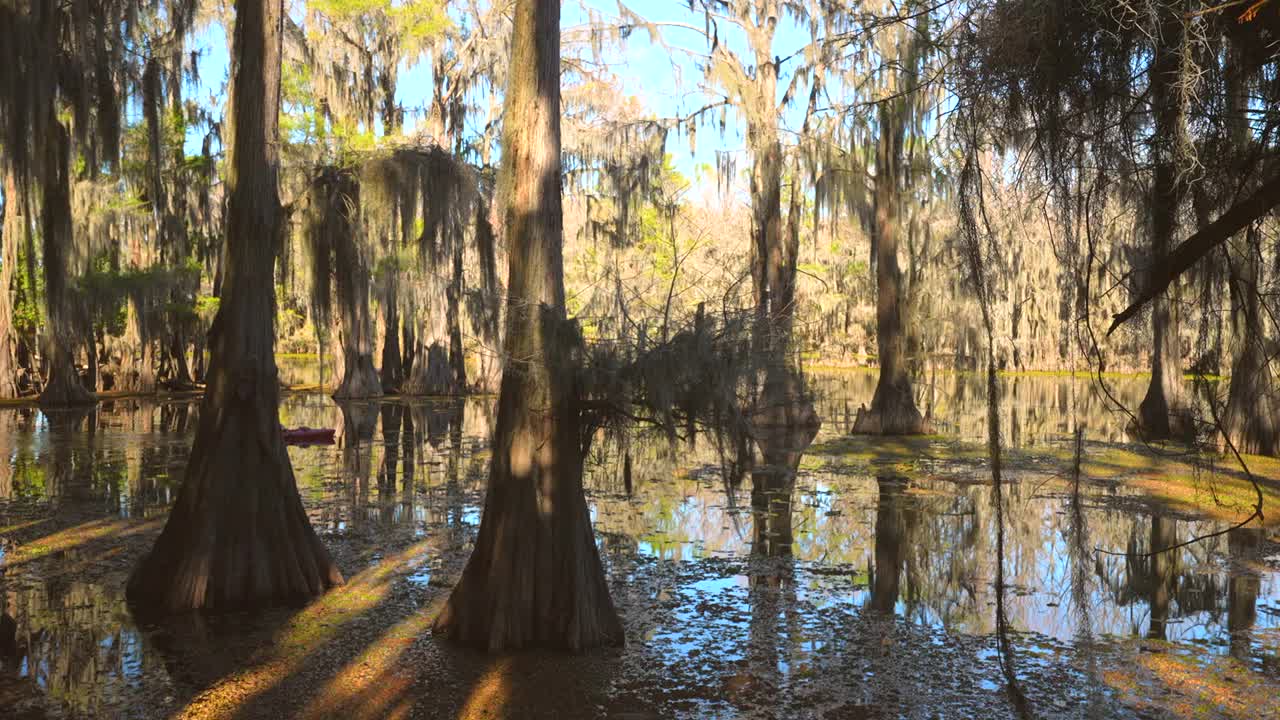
x,y
850,583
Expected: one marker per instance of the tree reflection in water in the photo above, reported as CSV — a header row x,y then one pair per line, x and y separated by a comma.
x,y
894,520
893,552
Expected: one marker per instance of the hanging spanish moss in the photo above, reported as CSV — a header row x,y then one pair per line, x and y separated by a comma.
x,y
427,208
340,266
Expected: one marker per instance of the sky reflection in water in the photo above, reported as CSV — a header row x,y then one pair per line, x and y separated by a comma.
x,y
882,534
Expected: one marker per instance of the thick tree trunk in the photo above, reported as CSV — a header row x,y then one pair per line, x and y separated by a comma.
x,y
238,536
772,274
893,408
772,256
1164,413
535,577
10,231
431,373
63,386
137,358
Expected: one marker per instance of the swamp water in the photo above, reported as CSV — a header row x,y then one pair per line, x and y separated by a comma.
x,y
861,585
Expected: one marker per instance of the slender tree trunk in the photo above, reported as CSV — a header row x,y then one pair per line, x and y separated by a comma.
x,y
238,536
408,346
453,318
392,362
535,577
10,230
768,254
485,317
1164,413
893,408
63,385
177,246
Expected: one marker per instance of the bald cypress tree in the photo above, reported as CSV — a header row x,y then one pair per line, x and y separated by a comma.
x,y
46,68
535,578
238,536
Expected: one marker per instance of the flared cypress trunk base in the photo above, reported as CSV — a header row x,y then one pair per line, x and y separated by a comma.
x,y
1251,422
1160,419
535,578
180,378
532,582
432,374
360,380
238,537
893,412
64,388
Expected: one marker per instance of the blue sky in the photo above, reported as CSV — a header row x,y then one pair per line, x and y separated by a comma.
x,y
666,78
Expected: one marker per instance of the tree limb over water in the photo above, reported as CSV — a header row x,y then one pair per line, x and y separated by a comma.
x,y
1199,245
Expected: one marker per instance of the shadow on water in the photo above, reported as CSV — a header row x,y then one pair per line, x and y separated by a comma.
x,y
833,592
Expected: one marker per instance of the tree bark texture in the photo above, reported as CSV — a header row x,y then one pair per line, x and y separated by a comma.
x,y
535,577
11,229
238,536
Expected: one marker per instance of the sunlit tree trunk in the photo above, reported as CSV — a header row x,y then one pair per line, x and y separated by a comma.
x,y
10,231
453,319
238,536
769,266
535,578
893,407
1164,412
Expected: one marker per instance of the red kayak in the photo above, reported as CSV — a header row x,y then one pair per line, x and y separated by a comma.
x,y
308,436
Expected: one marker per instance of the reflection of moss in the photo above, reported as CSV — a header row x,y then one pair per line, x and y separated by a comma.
x,y
1212,487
